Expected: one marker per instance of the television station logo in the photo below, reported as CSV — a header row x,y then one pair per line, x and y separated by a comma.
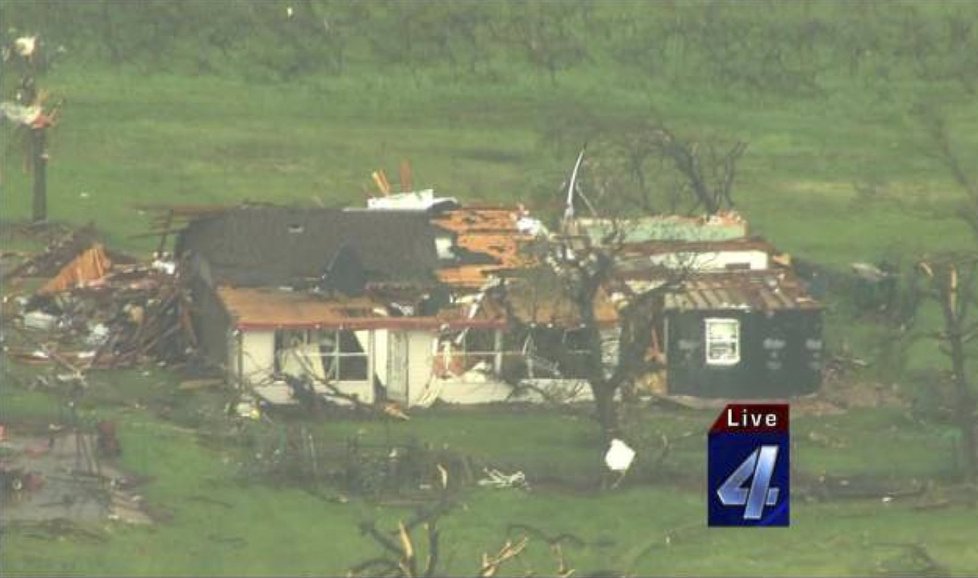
x,y
748,453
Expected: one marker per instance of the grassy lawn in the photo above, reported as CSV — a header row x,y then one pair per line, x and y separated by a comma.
x,y
221,525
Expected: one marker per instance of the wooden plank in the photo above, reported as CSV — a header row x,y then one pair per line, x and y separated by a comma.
x,y
696,299
770,301
725,298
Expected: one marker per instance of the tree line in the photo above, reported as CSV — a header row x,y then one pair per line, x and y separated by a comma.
x,y
800,49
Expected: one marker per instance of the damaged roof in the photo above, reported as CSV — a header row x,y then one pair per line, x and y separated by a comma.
x,y
718,227
263,308
271,246
488,231
738,244
775,290
536,305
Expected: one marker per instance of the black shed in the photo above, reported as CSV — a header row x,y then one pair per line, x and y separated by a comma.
x,y
743,335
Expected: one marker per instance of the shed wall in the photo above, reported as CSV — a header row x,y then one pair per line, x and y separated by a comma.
x,y
780,355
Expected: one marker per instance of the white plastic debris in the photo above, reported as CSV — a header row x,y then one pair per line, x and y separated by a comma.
x,y
496,479
619,457
247,407
869,272
98,335
18,113
39,320
406,310
25,45
412,201
530,226
163,262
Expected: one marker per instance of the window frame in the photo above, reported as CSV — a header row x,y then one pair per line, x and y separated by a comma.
x,y
335,354
710,342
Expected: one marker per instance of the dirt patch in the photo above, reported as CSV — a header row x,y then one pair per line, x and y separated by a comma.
x,y
845,394
833,398
60,477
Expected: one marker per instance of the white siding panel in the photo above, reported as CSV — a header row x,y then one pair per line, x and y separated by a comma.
x,y
492,390
714,260
420,358
380,355
258,355
472,391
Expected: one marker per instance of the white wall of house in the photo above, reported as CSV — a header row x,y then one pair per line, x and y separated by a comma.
x,y
421,349
255,351
257,354
380,354
713,260
492,390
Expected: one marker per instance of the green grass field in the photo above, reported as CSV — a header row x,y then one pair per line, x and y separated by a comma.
x,y
162,131
220,526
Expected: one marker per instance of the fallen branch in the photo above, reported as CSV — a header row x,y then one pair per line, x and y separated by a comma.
x,y
60,360
491,564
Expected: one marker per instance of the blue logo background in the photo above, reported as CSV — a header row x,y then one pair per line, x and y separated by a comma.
x,y
726,452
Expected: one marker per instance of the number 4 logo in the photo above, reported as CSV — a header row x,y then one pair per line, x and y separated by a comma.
x,y
758,467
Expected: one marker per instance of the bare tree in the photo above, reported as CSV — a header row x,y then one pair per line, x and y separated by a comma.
x,y
548,34
405,555
584,275
709,169
968,210
647,160
951,282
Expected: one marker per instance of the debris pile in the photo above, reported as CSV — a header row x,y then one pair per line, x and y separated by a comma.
x,y
97,308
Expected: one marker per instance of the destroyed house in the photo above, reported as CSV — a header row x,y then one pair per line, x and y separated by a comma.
x,y
399,304
370,303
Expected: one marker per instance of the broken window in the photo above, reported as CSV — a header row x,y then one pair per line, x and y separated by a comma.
x,y
577,354
550,353
576,340
722,341
341,355
479,341
465,350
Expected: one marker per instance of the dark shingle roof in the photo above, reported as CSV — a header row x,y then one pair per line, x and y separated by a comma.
x,y
262,245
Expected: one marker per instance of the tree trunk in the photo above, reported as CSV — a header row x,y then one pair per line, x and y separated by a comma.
x,y
607,414
964,412
965,409
39,160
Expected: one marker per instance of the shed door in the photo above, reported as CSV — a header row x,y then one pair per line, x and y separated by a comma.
x,y
397,366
